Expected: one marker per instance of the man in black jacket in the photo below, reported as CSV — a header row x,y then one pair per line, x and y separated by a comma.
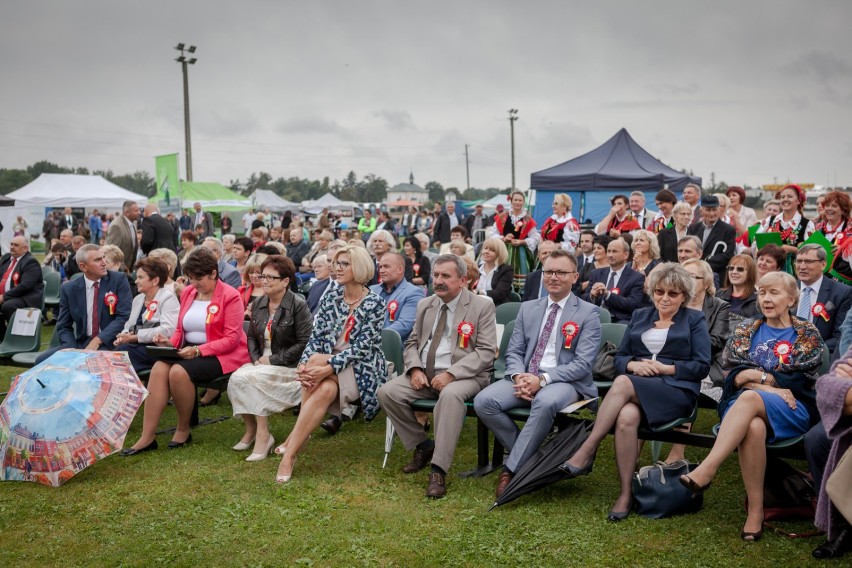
x,y
716,236
444,224
156,231
21,284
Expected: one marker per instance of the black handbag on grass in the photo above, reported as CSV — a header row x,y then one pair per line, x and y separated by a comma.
x,y
658,493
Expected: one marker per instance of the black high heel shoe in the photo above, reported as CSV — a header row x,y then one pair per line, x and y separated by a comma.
x,y
212,402
616,516
696,489
174,445
126,453
752,536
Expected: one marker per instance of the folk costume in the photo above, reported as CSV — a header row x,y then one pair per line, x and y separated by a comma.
x,y
521,257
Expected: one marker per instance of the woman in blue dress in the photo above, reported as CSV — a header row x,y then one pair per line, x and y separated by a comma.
x,y
768,393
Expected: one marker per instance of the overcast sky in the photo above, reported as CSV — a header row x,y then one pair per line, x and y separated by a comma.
x,y
751,91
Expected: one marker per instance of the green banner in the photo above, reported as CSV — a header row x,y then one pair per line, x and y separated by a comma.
x,y
168,179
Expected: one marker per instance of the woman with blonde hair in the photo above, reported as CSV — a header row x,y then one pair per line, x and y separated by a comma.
x,y
646,251
343,361
561,227
251,288
495,275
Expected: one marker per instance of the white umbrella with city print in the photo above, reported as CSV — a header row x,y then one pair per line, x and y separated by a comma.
x,y
66,413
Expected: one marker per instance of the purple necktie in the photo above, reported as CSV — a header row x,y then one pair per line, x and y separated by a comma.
x,y
543,339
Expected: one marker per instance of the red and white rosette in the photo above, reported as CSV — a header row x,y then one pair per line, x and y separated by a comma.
x,y
393,306
212,310
570,329
269,327
782,350
15,277
152,309
465,330
519,225
110,299
350,325
416,268
615,291
819,311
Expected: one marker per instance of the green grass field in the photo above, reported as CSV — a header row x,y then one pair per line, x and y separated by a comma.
x,y
203,505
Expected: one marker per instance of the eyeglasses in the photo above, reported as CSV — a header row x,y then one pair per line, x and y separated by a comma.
x,y
343,265
736,269
269,277
658,292
807,261
557,273
697,277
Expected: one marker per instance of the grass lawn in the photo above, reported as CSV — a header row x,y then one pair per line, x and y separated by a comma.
x,y
203,505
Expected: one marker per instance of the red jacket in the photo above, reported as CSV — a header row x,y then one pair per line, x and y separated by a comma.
x,y
226,339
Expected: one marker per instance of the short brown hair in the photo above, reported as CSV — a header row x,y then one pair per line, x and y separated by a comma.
x,y
280,264
154,268
562,253
187,236
200,262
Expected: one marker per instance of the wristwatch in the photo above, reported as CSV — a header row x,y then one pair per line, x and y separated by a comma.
x,y
542,382
763,377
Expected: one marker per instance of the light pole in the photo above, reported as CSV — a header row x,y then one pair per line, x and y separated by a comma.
x,y
467,164
184,61
513,116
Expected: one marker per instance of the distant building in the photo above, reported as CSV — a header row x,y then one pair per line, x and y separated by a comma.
x,y
408,192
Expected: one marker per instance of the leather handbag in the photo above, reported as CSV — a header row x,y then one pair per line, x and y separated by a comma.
x,y
658,493
604,367
839,488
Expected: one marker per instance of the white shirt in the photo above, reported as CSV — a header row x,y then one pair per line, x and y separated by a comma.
x,y
485,279
194,322
90,298
443,355
549,358
454,220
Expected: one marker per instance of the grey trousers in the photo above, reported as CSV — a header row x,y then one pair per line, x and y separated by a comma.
x,y
493,402
395,398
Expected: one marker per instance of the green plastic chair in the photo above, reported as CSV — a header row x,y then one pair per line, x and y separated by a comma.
x,y
786,443
500,362
46,269
656,446
392,348
514,297
52,282
13,344
28,359
605,316
826,364
76,275
507,312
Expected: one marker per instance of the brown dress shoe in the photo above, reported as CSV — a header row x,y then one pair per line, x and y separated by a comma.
x,y
502,482
437,488
419,460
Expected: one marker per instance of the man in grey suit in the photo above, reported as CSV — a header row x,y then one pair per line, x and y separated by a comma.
x,y
548,365
452,368
204,219
122,233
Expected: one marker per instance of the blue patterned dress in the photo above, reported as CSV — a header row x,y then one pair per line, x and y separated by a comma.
x,y
364,354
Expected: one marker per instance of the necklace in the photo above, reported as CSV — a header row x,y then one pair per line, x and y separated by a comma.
x,y
355,301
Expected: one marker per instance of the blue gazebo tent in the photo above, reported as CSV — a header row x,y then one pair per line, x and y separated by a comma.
x,y
619,165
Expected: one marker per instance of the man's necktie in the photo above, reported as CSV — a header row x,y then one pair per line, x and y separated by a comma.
x,y
610,284
805,304
7,275
436,339
543,339
95,323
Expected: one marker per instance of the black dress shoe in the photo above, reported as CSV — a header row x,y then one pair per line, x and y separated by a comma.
x,y
835,548
573,472
617,516
173,445
696,489
332,425
131,452
212,402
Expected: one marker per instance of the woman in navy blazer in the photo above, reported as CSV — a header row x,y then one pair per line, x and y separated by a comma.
x,y
663,357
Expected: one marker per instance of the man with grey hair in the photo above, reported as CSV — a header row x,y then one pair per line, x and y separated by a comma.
x,y
447,357
157,232
227,273
637,206
21,284
204,219
445,223
692,195
822,301
122,233
92,309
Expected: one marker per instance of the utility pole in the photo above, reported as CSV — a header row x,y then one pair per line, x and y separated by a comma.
x,y
513,116
467,164
184,61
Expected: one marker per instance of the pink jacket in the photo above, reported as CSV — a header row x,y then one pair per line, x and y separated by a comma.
x,y
226,339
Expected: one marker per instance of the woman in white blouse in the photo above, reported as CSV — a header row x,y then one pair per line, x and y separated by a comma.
x,y
154,310
495,276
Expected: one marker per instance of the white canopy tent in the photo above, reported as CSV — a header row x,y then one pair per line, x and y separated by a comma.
x,y
73,190
265,198
327,201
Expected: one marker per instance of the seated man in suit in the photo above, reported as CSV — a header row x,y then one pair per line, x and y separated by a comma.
x,y
322,280
21,285
822,301
534,285
448,357
717,237
618,288
92,309
548,365
227,273
689,247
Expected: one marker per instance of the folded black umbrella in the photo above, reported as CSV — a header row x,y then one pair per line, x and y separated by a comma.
x,y
543,468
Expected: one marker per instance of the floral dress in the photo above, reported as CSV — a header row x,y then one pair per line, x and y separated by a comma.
x,y
839,236
564,231
521,257
793,232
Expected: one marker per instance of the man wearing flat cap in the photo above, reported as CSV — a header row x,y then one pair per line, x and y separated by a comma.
x,y
717,237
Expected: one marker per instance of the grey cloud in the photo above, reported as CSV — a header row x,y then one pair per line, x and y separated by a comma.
x,y
821,65
396,119
311,124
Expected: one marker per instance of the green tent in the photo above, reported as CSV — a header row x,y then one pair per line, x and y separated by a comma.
x,y
214,197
